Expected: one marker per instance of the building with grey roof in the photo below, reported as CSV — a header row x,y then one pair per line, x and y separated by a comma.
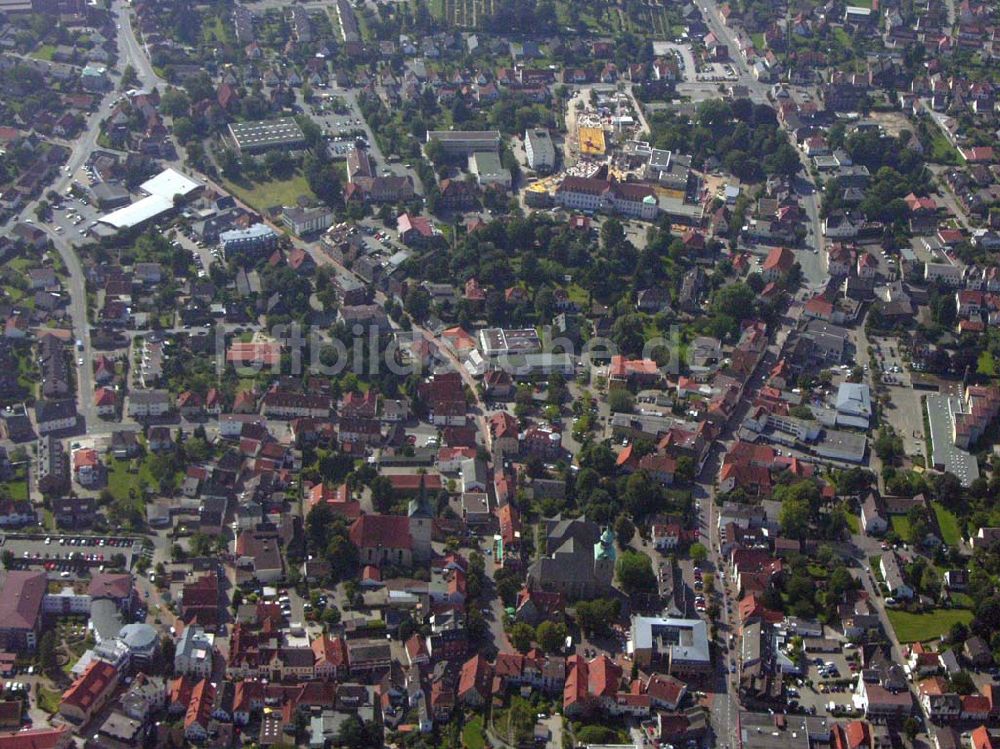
x,y
847,447
678,645
250,137
110,195
854,405
892,574
488,169
255,239
539,149
579,559
465,142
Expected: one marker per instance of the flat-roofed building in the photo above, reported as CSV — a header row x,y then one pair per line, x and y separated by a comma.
x,y
678,645
162,193
500,341
488,169
465,142
539,149
254,239
307,220
283,132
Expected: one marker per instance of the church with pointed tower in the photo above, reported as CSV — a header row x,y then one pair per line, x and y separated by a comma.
x,y
394,539
421,516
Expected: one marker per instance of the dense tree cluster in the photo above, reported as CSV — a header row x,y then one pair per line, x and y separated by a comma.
x,y
744,136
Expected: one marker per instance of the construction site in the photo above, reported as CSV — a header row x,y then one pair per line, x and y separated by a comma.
x,y
605,142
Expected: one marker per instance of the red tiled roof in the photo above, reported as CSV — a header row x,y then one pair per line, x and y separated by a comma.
x,y
665,689
90,686
780,258
267,354
622,367
105,397
330,650
975,703
577,680
385,531
411,481
604,677
981,738
110,585
477,674
510,523
21,599
36,738
200,707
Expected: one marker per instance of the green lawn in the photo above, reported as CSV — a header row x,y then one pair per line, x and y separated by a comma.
x,y
853,522
817,571
843,38
472,734
48,700
986,365
927,626
963,600
860,3
16,490
263,195
121,481
942,151
900,525
951,532
44,52
215,31
17,487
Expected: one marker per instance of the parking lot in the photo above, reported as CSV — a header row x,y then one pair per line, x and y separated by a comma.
x,y
717,71
894,370
822,687
67,556
73,216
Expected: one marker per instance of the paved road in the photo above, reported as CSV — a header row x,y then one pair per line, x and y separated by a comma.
x,y
350,96
133,53
129,54
724,701
804,187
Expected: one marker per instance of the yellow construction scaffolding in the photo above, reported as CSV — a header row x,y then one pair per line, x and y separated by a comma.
x,y
592,141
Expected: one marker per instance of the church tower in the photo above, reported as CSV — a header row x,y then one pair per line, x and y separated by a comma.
x,y
421,516
604,560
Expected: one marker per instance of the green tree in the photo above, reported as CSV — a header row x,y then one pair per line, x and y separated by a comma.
x,y
598,615
698,552
962,683
595,734
635,573
47,652
620,400
434,152
417,303
627,334
551,636
624,531
794,517
642,495
382,494
911,727
521,636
